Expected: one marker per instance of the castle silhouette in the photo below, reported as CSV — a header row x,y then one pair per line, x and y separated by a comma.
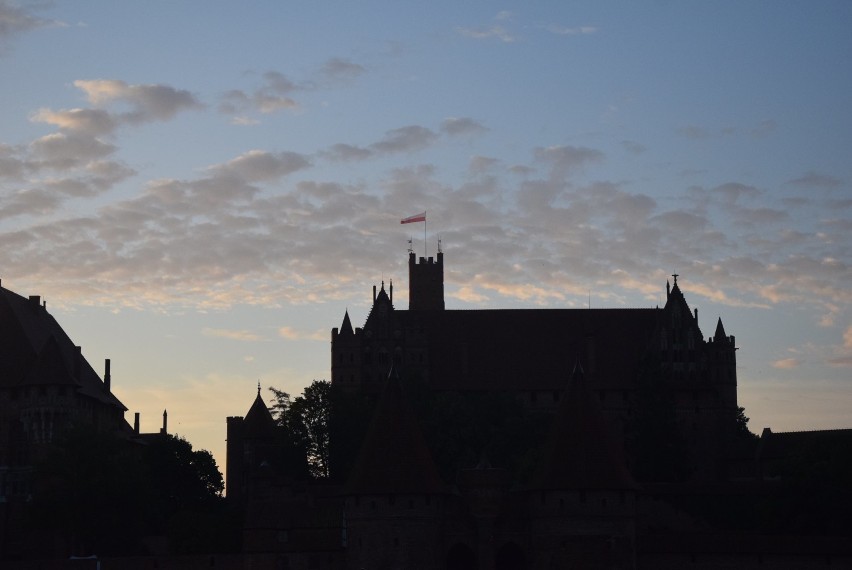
x,y
645,461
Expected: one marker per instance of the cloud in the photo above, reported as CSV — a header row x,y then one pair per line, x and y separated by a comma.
x,y
340,68
344,152
405,139
240,335
566,31
732,192
693,132
290,333
482,163
813,179
64,151
260,166
633,147
92,122
16,20
147,102
462,126
565,158
488,32
786,363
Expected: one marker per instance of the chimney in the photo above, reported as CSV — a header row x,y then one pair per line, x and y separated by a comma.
x,y
107,377
163,430
136,423
35,300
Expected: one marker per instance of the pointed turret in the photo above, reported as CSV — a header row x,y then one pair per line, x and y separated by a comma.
x,y
259,422
394,457
581,452
346,327
720,332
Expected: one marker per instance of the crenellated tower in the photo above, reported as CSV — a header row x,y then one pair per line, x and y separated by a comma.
x,y
426,283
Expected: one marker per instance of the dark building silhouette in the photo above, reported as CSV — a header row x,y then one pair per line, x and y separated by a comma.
x,y
625,392
531,352
46,386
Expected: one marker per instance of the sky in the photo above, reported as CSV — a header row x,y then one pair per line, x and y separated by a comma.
x,y
200,190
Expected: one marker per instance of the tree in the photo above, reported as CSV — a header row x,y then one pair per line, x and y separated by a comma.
x,y
280,406
306,421
309,415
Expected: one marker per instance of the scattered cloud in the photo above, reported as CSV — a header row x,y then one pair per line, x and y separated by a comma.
x,y
633,147
813,179
260,166
291,333
240,335
693,132
147,102
487,32
405,139
566,31
786,363
16,20
462,126
340,68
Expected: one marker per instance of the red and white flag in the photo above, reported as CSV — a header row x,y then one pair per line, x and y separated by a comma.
x,y
412,219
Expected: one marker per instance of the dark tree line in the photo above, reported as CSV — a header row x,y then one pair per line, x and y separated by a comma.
x,y
96,493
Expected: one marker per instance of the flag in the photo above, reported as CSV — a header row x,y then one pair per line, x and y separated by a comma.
x,y
412,219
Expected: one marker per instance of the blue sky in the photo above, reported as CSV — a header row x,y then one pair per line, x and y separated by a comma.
x,y
201,189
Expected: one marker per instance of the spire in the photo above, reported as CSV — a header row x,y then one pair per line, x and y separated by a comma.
x,y
259,421
346,327
720,331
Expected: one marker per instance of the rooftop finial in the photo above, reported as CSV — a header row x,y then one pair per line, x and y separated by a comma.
x,y
258,387
675,277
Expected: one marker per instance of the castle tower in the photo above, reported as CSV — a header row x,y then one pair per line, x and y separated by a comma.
x,y
426,283
394,493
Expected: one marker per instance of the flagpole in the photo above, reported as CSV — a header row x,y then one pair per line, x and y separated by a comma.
x,y
425,253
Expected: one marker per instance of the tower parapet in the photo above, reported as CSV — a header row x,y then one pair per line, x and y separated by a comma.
x,y
426,283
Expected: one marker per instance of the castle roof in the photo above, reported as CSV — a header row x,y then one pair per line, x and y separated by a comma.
x,y
494,348
394,457
581,453
37,351
346,327
258,422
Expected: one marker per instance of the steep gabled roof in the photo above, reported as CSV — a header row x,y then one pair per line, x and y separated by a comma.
x,y
581,453
29,333
394,457
49,368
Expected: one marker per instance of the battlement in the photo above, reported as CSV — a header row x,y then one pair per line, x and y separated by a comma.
x,y
426,283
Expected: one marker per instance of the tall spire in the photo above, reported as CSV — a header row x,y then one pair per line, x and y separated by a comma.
x,y
720,331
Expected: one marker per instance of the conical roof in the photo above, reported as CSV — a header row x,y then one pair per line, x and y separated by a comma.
x,y
581,453
394,457
720,331
258,421
346,327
